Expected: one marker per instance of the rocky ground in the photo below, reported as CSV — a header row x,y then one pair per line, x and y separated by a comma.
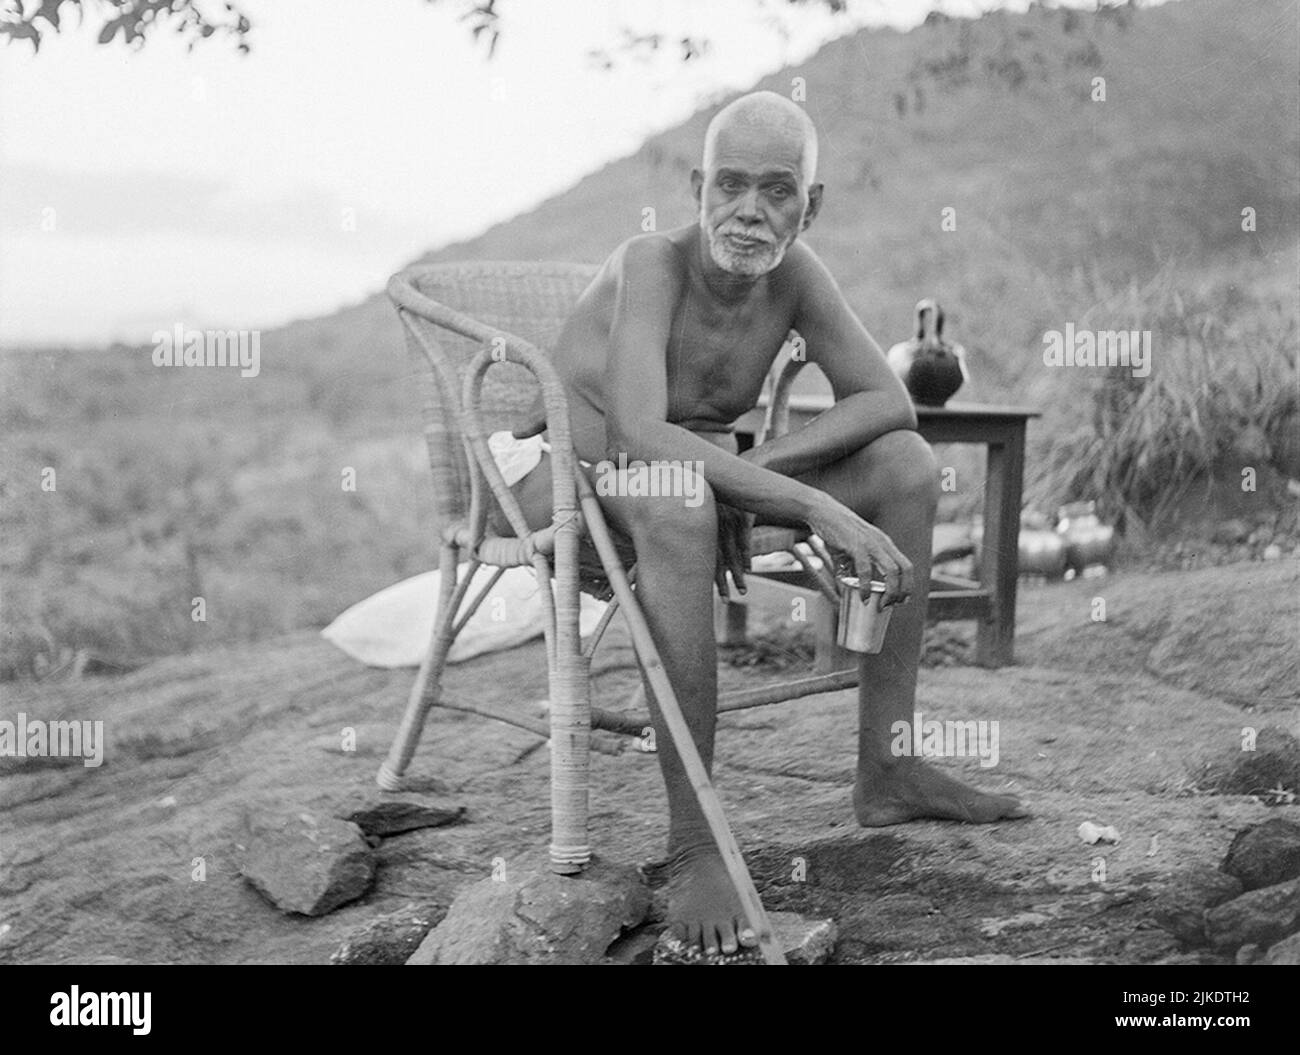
x,y
222,766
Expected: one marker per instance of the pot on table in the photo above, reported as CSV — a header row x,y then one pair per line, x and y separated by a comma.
x,y
1042,552
1087,540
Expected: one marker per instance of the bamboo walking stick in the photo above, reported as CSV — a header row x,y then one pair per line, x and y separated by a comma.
x,y
710,804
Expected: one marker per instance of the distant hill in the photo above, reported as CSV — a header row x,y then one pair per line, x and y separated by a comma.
x,y
1061,201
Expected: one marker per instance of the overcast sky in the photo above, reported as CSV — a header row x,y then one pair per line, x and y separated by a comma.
x,y
141,189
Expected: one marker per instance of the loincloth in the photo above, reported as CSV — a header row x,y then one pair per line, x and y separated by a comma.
x,y
517,458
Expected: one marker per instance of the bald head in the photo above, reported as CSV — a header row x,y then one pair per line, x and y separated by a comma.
x,y
755,187
767,121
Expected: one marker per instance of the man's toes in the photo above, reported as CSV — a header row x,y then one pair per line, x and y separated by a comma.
x,y
1012,808
695,938
1001,807
710,944
727,932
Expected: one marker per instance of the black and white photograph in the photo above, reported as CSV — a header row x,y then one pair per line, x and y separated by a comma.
x,y
647,483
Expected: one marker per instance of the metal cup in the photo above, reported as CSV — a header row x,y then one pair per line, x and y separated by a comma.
x,y
862,624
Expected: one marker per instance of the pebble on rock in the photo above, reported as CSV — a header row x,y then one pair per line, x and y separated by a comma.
x,y
1096,833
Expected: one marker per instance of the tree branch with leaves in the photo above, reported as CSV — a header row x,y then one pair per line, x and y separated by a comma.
x,y
137,21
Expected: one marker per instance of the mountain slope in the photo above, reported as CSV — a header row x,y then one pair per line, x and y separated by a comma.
x,y
1059,200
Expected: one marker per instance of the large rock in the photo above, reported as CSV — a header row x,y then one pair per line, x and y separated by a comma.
x,y
1201,957
1261,917
1265,854
1286,952
532,916
1180,907
1004,960
391,938
1274,763
303,862
805,942
387,817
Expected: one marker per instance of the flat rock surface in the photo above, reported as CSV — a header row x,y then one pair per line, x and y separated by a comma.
x,y
1180,908
138,859
1261,917
390,939
1285,953
394,817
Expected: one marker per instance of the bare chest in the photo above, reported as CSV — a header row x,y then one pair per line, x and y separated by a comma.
x,y
718,359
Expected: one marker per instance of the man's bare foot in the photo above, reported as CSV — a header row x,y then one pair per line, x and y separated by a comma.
x,y
915,791
703,909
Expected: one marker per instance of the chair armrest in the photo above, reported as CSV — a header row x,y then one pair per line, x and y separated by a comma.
x,y
504,347
776,422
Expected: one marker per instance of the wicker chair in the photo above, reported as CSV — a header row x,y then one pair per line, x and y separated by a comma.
x,y
480,334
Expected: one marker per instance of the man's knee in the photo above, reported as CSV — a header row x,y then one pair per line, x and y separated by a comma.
x,y
908,466
682,515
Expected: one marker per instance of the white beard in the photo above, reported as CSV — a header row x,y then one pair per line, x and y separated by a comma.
x,y
757,261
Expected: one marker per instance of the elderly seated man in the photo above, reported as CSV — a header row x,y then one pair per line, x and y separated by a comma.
x,y
669,345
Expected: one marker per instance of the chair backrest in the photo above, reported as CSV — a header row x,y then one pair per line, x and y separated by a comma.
x,y
530,301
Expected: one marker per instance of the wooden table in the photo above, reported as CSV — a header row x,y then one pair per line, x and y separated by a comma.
x,y
990,600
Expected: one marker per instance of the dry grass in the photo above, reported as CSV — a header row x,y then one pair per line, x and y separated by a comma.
x,y
1221,396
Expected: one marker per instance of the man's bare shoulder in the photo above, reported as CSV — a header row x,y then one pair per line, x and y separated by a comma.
x,y
805,271
653,256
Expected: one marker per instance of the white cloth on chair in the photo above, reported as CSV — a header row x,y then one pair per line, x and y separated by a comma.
x,y
392,628
516,458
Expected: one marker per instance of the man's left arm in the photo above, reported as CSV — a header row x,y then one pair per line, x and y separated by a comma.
x,y
870,399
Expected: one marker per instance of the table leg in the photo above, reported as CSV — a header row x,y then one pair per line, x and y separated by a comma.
x,y
995,636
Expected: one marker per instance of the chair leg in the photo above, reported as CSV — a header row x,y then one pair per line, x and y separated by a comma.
x,y
428,682
570,684
829,657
